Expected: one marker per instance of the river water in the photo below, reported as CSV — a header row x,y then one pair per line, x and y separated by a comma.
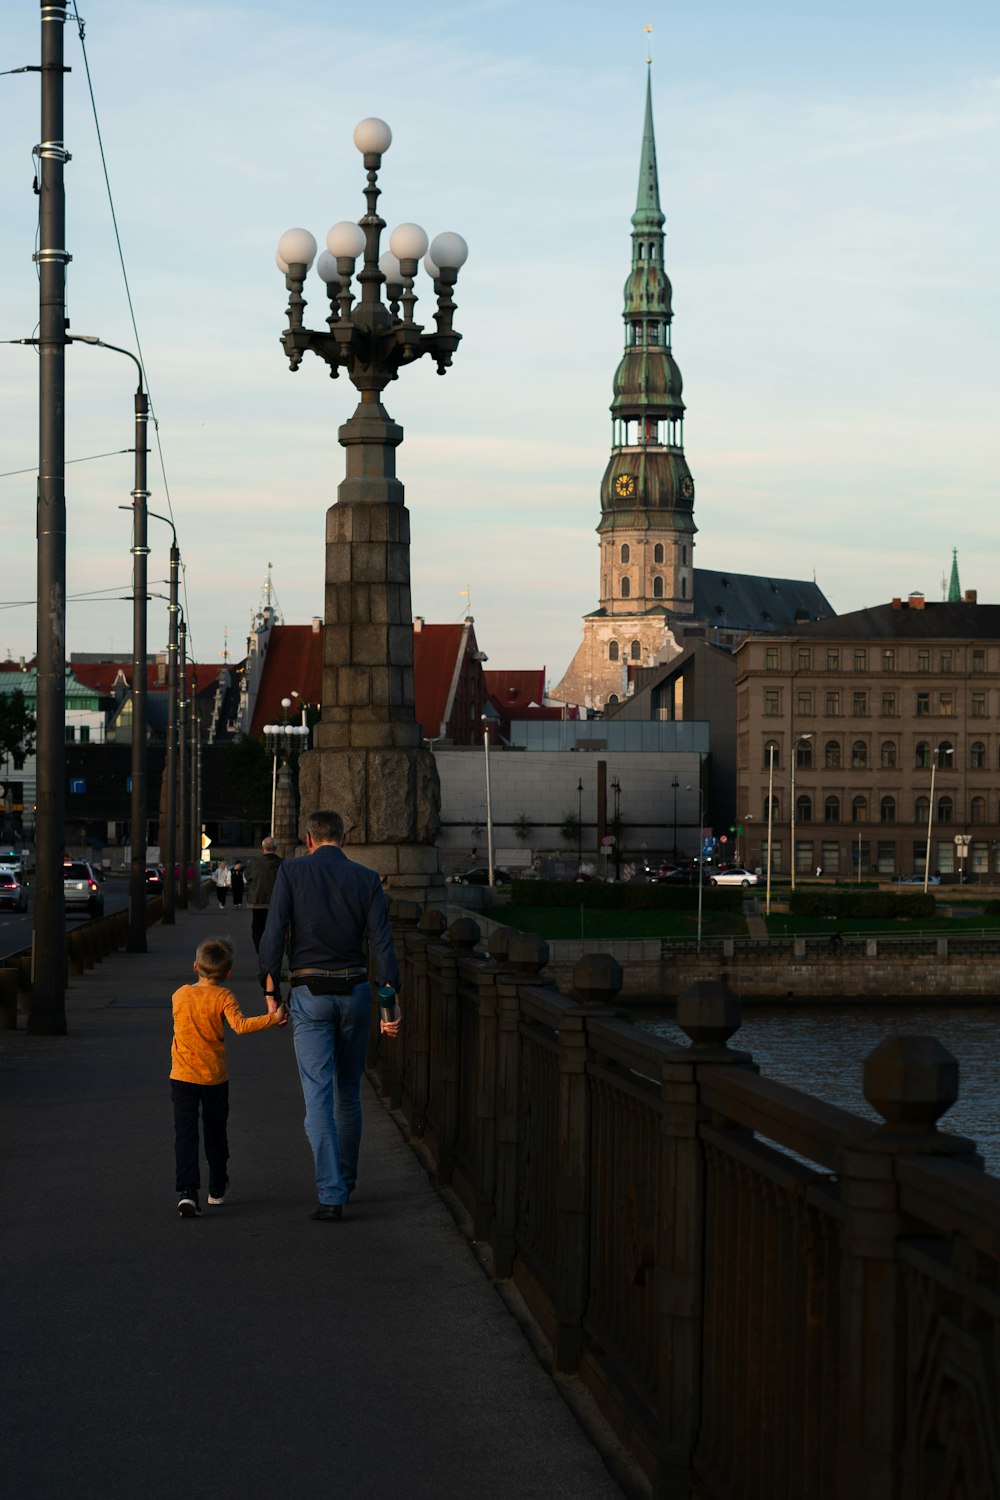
x,y
820,1049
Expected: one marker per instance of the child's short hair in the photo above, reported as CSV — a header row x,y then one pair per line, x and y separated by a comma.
x,y
214,958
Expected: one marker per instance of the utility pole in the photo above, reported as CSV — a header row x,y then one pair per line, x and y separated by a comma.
x,y
136,940
170,800
183,778
194,718
48,1002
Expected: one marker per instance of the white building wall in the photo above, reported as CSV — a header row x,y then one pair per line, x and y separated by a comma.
x,y
543,786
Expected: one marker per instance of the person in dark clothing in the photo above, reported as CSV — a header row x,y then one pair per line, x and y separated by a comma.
x,y
237,881
262,872
330,904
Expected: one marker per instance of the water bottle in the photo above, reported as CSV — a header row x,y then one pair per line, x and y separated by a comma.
x,y
388,1009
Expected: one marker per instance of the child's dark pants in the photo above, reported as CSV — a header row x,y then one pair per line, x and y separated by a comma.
x,y
213,1100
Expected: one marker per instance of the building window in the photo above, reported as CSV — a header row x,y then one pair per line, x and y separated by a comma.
x,y
804,856
804,705
772,809
979,705
860,659
684,588
84,734
831,810
771,659
922,809
977,755
613,698
946,810
658,552
772,747
859,809
947,659
626,553
70,734
832,755
859,705
635,651
803,809
805,659
626,588
804,755
923,705
657,587
977,810
772,702
829,857
890,706
613,651
946,705
979,661
887,810
833,705
888,660
885,856
684,555
887,756
833,661
922,758
923,661
859,756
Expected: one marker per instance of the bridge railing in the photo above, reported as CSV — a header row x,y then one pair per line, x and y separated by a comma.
x,y
766,1295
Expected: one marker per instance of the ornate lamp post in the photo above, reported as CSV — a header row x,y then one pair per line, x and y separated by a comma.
x,y
579,823
368,760
284,740
940,752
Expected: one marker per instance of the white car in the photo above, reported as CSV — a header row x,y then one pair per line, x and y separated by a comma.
x,y
735,876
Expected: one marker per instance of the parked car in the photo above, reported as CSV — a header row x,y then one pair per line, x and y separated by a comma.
x,y
13,892
918,880
734,876
481,876
154,879
82,888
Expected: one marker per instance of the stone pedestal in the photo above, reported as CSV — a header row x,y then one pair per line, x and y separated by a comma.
x,y
368,762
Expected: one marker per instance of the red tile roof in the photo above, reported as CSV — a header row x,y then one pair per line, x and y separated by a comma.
x,y
294,663
435,655
102,675
516,691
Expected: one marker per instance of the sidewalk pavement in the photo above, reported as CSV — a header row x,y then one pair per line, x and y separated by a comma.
x,y
250,1352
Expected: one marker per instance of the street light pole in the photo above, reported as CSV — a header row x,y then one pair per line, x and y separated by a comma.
x,y
770,823
489,803
579,823
183,778
935,753
194,719
802,740
47,1016
368,738
169,844
675,784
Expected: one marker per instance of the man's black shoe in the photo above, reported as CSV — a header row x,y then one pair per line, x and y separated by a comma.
x,y
327,1213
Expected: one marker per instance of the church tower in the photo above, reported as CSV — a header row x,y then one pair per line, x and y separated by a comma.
x,y
646,531
647,496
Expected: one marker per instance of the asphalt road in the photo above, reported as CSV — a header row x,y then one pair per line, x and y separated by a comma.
x,y
15,927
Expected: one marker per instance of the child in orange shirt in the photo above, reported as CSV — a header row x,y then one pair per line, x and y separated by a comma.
x,y
199,1078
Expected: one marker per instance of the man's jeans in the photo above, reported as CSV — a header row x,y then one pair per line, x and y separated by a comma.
x,y
330,1033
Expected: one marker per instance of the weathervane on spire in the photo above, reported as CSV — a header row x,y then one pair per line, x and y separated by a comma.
x,y
648,29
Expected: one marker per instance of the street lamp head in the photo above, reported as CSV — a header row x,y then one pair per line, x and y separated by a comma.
x,y
326,269
346,240
297,247
282,265
449,251
433,271
408,241
286,702
388,264
372,136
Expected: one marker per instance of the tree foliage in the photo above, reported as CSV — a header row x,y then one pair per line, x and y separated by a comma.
x,y
17,728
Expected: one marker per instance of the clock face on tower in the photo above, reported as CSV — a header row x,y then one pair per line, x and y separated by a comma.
x,y
687,486
624,486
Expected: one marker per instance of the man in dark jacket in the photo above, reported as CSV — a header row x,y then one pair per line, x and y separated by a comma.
x,y
334,913
261,873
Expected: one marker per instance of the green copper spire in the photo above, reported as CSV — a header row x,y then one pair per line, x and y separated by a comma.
x,y
648,216
954,587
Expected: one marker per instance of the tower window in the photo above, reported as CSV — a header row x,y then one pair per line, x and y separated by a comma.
x,y
636,651
626,588
613,651
684,588
657,587
626,554
658,552
684,555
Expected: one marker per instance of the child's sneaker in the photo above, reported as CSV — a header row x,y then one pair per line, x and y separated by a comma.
x,y
218,1198
189,1207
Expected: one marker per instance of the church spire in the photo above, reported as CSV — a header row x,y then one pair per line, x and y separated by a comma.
x,y
954,587
648,216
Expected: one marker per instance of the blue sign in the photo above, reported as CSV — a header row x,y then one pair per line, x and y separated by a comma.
x,y
77,784
128,783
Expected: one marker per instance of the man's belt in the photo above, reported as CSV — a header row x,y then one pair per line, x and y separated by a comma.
x,y
329,974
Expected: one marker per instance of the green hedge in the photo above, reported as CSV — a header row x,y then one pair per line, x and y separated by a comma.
x,y
610,897
812,901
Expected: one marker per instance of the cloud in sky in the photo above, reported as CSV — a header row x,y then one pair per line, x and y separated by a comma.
x,y
829,185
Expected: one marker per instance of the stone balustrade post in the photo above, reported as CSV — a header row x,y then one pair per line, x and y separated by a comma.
x,y
416,1005
709,1014
463,935
506,1097
485,1149
911,1081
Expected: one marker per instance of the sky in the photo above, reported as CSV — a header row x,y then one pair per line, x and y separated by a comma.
x,y
829,178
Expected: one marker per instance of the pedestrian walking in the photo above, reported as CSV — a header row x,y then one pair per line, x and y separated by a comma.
x,y
223,880
329,904
199,1076
237,880
262,872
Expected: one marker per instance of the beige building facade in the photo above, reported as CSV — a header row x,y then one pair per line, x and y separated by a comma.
x,y
870,734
